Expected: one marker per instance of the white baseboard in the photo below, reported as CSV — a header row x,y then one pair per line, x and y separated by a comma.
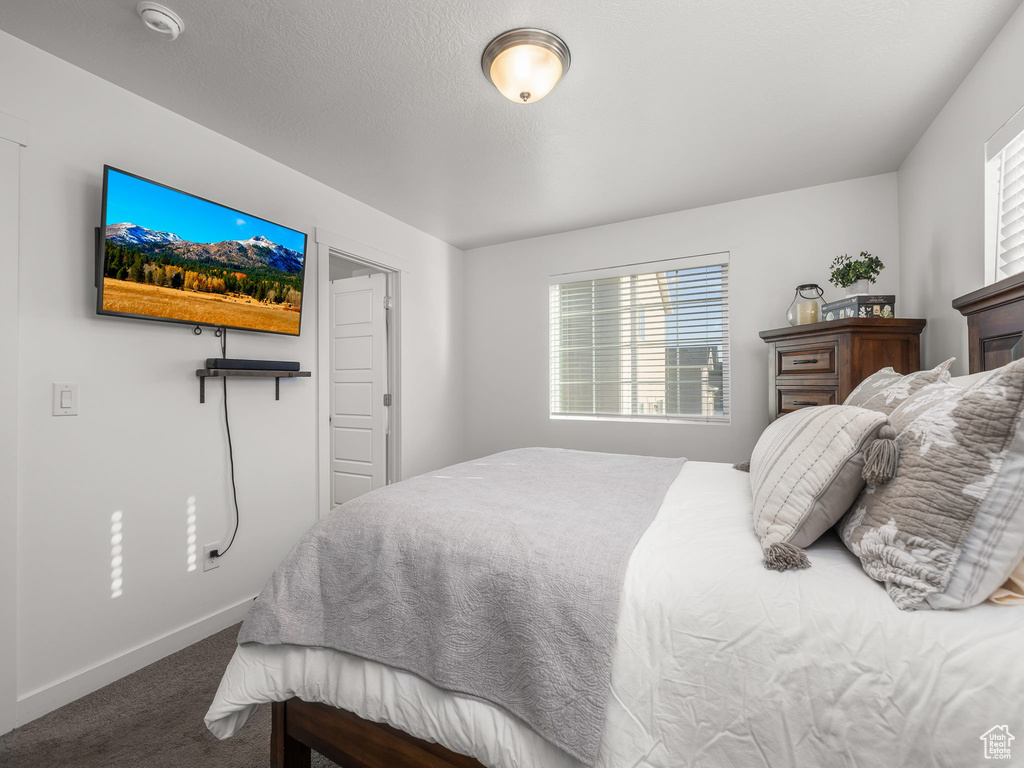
x,y
43,700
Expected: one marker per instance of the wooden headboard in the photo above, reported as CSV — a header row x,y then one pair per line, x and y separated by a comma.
x,y
995,323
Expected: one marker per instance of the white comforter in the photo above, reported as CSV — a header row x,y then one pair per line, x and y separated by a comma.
x,y
718,662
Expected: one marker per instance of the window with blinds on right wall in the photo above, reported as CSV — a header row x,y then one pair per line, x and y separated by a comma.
x,y
1004,201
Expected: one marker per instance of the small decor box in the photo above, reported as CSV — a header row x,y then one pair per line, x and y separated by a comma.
x,y
861,305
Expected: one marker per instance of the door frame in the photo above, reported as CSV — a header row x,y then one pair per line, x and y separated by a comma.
x,y
332,244
14,131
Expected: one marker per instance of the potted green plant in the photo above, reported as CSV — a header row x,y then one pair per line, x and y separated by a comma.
x,y
855,275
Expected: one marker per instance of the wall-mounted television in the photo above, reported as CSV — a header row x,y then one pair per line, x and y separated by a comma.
x,y
168,255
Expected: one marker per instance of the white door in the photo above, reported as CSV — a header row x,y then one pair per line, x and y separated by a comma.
x,y
358,384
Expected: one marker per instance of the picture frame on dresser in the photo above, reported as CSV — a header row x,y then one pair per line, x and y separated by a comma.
x,y
822,363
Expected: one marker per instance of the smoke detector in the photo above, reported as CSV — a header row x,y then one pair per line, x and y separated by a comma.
x,y
160,19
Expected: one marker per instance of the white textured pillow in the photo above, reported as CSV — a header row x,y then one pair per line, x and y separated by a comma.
x,y
949,529
884,390
965,381
805,473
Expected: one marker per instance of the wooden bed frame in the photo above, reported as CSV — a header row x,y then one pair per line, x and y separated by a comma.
x,y
995,320
352,742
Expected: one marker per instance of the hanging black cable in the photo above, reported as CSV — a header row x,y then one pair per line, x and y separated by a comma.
x,y
223,333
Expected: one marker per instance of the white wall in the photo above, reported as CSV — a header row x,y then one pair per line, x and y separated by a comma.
x,y
142,443
941,195
9,151
776,243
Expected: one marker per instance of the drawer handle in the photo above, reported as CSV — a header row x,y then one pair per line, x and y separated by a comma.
x,y
805,362
804,402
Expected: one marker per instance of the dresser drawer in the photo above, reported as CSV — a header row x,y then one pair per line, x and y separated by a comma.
x,y
793,399
821,363
817,360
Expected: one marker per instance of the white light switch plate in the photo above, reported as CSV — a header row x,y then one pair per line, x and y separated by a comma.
x,y
65,399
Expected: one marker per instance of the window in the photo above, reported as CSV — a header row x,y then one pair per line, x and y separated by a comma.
x,y
646,342
1004,202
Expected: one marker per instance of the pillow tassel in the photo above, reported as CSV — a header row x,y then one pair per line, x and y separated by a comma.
x,y
782,556
743,466
883,458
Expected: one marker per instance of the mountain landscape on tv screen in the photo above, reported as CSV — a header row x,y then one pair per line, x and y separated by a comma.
x,y
244,254
253,283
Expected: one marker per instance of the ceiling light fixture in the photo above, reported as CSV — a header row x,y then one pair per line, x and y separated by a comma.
x,y
160,19
525,64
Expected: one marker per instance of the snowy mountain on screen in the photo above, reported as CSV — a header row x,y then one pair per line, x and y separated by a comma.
x,y
284,259
257,251
126,232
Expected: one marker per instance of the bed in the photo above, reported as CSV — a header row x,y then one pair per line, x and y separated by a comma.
x,y
717,662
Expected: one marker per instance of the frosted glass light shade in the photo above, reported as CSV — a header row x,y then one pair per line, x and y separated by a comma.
x,y
525,64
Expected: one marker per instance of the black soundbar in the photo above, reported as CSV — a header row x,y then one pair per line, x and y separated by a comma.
x,y
237,364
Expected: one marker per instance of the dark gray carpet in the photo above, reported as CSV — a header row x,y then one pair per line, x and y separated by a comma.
x,y
150,719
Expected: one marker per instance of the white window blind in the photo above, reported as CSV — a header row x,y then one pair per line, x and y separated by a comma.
x,y
649,342
1005,214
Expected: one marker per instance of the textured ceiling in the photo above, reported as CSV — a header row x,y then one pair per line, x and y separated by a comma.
x,y
670,104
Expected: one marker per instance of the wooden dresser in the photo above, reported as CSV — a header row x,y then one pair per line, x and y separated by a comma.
x,y
822,363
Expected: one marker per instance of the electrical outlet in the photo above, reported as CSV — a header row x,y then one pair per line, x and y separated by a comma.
x,y
209,563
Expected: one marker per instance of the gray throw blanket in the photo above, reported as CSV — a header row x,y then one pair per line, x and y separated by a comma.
x,y
498,578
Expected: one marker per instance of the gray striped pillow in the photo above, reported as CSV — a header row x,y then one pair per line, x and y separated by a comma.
x,y
805,473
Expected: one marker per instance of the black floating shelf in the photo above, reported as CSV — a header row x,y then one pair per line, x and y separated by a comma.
x,y
204,373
